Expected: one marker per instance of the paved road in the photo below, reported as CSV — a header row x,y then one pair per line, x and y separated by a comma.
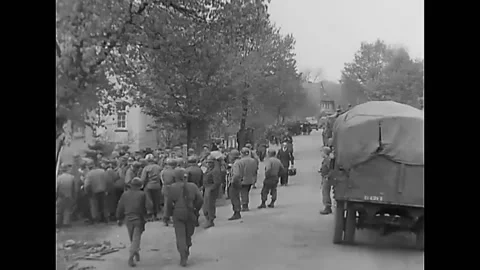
x,y
291,236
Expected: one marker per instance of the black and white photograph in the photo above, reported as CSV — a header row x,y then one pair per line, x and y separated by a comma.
x,y
239,134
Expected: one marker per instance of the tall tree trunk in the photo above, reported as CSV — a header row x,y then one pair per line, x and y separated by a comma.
x,y
243,121
189,132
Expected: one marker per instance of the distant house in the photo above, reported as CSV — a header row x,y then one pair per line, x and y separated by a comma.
x,y
327,104
128,125
326,94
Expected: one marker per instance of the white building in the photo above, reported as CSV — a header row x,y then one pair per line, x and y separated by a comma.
x,y
128,125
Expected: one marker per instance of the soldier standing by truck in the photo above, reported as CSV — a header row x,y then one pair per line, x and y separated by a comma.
x,y
325,171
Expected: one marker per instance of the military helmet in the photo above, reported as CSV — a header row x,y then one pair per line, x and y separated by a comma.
x,y
210,159
143,161
136,182
330,142
171,162
192,159
136,164
65,166
179,174
234,153
249,146
245,151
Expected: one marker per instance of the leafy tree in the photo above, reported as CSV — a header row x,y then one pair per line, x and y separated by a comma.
x,y
282,91
249,30
89,33
187,64
380,72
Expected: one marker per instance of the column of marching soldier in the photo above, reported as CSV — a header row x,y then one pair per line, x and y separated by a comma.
x,y
134,190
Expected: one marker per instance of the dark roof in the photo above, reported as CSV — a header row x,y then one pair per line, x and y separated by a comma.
x,y
318,87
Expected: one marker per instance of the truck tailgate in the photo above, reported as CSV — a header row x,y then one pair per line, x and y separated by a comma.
x,y
381,180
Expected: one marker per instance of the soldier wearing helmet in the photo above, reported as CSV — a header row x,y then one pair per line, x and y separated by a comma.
x,y
273,170
168,177
66,195
325,172
177,151
183,201
119,182
257,160
243,171
212,183
191,152
133,208
194,175
152,184
132,172
233,156
111,177
205,153
96,188
180,162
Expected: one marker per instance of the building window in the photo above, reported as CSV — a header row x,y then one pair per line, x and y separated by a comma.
x,y
121,116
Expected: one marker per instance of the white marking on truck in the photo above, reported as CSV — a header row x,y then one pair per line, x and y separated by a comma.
x,y
373,198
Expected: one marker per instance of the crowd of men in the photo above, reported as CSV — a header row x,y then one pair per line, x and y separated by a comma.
x,y
135,189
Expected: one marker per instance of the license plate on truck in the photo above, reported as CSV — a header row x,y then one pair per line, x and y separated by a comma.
x,y
373,198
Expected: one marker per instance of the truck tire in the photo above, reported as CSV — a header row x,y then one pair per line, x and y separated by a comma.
x,y
339,222
350,225
420,238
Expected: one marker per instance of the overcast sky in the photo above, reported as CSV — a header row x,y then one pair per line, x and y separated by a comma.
x,y
329,32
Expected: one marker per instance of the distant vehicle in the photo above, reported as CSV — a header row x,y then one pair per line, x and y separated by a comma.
x,y
379,170
313,122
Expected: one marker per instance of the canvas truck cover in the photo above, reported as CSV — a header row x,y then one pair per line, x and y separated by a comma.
x,y
398,128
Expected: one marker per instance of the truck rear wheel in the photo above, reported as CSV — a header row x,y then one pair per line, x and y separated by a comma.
x,y
339,222
420,235
350,224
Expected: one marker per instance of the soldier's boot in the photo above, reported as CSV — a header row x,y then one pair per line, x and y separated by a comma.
x,y
131,263
137,256
209,224
183,259
272,204
326,211
262,205
236,215
166,222
245,207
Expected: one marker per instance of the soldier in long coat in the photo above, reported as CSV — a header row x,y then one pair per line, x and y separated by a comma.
x,y
183,200
66,196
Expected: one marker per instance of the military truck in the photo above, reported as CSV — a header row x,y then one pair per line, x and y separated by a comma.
x,y
379,170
